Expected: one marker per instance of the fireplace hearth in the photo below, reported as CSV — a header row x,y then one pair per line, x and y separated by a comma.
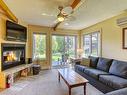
x,y
12,55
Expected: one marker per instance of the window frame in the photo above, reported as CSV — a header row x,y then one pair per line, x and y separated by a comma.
x,y
98,40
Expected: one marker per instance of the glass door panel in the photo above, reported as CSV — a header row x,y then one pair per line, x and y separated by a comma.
x,y
63,47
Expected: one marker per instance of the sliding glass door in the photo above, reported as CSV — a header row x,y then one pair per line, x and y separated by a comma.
x,y
63,48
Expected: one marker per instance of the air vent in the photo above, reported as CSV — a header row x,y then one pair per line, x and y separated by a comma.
x,y
122,21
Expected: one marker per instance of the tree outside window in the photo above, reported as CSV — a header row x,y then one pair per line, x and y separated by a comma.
x,y
39,46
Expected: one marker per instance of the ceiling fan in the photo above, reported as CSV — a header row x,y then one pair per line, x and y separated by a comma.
x,y
65,12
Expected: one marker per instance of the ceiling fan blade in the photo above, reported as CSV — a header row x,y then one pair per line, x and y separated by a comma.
x,y
75,3
55,21
70,18
80,4
54,28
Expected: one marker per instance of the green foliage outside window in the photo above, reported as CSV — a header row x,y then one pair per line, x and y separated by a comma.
x,y
39,46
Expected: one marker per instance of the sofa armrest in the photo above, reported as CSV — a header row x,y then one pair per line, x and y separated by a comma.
x,y
78,62
122,91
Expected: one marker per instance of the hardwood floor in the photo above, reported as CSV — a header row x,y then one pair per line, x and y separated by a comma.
x,y
46,83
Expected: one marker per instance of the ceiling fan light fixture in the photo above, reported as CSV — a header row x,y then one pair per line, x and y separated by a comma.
x,y
60,18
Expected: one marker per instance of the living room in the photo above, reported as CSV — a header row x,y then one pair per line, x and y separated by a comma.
x,y
59,35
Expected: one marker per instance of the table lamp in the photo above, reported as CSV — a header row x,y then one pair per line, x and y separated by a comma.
x,y
79,52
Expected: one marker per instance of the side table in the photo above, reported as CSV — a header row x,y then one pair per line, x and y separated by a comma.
x,y
76,60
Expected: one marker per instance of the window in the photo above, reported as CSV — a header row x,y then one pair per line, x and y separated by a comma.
x,y
87,45
91,44
39,46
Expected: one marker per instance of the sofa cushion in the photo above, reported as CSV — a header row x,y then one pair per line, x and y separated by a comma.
x,y
118,92
94,72
104,64
113,81
80,67
85,62
93,61
119,68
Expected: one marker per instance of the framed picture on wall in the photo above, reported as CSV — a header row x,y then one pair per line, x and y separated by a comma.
x,y
124,38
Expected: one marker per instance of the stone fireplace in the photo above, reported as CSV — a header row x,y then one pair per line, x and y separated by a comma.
x,y
12,55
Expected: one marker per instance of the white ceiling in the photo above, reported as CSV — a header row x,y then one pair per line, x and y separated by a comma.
x,y
89,13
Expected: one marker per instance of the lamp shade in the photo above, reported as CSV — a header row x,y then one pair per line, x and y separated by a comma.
x,y
79,50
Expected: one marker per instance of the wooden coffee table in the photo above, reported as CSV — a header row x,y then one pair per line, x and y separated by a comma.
x,y
72,79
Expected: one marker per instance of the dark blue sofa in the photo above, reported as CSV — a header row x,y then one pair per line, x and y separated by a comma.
x,y
122,91
105,74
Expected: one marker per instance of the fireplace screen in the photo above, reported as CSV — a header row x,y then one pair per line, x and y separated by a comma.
x,y
11,56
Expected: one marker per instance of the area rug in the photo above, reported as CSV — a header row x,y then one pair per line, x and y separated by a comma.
x,y
46,83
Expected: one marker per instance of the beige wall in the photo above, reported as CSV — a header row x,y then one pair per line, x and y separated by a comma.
x,y
45,64
111,37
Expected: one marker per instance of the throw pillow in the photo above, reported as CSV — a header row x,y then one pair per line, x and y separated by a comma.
x,y
104,64
93,61
85,62
119,68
